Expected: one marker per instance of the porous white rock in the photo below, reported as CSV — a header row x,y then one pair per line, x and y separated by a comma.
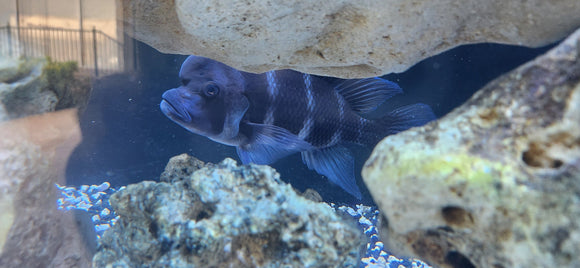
x,y
495,182
224,215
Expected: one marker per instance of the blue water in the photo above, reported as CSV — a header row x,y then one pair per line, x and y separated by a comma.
x,y
126,139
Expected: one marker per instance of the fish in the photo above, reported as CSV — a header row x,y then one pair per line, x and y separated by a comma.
x,y
272,115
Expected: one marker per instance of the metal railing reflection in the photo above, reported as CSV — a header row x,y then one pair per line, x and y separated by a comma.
x,y
93,50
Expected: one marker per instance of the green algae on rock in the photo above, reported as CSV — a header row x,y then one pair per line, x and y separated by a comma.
x,y
224,215
22,90
494,183
36,86
70,88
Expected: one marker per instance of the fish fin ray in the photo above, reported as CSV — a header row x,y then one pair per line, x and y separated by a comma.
x,y
365,95
261,154
269,144
407,117
337,164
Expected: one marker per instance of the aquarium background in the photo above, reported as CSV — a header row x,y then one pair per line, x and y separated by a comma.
x,y
126,138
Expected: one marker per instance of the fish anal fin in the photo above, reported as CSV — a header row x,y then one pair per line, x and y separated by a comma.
x,y
337,164
261,154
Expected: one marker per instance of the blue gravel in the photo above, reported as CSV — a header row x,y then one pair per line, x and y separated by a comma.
x,y
376,256
95,200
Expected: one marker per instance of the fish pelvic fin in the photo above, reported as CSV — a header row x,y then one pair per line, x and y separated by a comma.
x,y
365,95
337,164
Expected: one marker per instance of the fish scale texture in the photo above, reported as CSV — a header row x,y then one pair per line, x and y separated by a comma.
x,y
225,215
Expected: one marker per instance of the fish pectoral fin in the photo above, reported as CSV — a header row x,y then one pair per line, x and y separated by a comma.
x,y
365,95
337,164
270,143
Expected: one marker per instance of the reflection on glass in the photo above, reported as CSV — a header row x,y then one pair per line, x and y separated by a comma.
x,y
86,32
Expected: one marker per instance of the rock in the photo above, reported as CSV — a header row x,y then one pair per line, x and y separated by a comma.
x,y
23,91
71,87
341,38
225,215
10,71
494,183
180,168
33,155
311,195
36,86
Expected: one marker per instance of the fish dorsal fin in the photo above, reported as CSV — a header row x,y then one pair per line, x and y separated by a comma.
x,y
365,95
407,117
270,143
337,164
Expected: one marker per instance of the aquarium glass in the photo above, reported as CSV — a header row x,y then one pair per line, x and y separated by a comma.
x,y
81,120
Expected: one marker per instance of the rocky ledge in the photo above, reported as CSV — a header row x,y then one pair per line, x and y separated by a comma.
x,y
341,38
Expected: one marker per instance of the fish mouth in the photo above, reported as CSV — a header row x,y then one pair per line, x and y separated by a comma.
x,y
173,112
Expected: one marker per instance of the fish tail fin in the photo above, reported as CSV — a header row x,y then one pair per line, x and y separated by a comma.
x,y
406,117
398,120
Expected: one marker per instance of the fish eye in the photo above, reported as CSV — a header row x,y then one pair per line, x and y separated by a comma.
x,y
185,81
211,90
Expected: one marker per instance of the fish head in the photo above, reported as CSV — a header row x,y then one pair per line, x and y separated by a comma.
x,y
210,101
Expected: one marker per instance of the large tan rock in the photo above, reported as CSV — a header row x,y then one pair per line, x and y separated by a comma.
x,y
494,183
33,155
342,38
